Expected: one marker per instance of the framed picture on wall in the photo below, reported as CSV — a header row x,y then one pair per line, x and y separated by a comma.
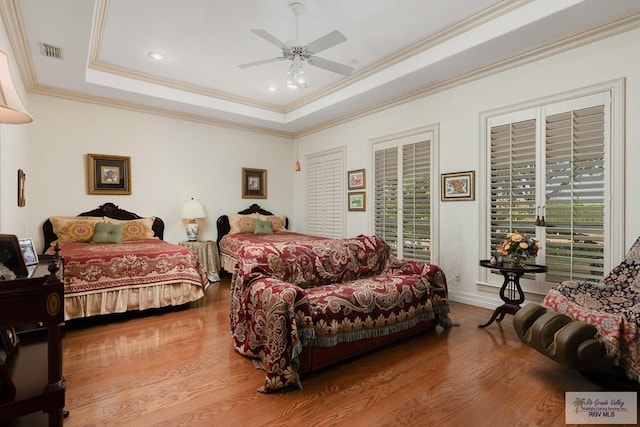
x,y
254,183
457,186
357,201
357,179
22,177
108,174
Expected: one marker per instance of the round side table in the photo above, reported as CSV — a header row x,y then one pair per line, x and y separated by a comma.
x,y
510,292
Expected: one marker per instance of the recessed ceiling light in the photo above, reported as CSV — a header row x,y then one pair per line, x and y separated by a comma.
x,y
272,89
157,56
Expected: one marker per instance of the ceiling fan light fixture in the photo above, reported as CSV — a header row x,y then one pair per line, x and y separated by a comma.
x,y
296,78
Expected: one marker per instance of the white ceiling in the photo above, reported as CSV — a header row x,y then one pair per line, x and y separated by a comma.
x,y
397,47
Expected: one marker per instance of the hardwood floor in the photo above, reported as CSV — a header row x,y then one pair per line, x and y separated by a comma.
x,y
179,368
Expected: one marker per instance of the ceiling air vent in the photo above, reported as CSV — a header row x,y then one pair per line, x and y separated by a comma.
x,y
51,51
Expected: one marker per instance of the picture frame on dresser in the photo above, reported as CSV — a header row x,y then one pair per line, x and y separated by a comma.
x,y
107,174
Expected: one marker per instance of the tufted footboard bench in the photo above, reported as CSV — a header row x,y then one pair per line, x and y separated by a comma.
x,y
571,343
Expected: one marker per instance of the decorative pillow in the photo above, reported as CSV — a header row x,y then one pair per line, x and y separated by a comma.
x,y
135,229
78,229
277,221
263,227
108,233
242,223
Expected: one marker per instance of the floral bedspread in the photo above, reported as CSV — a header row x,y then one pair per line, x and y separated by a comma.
x,y
230,244
612,305
96,267
321,293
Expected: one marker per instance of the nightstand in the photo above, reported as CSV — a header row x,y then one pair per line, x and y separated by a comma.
x,y
208,254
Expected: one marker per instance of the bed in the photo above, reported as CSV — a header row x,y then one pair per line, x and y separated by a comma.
x,y
238,230
117,261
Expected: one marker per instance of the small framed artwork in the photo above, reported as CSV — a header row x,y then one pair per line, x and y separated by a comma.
x,y
22,177
28,251
357,179
11,256
458,186
357,201
108,174
254,183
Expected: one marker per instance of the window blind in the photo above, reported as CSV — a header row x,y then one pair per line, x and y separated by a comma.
x,y
575,182
402,198
513,180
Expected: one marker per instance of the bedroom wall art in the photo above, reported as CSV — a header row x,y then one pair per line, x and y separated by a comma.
x,y
22,177
108,174
356,179
357,201
254,183
457,186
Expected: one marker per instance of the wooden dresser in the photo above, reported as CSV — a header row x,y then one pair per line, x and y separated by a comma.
x,y
34,306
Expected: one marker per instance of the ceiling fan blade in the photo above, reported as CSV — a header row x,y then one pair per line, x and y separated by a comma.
x,y
328,65
264,61
270,38
325,42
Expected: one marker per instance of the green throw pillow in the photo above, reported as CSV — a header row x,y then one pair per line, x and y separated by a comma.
x,y
262,227
108,233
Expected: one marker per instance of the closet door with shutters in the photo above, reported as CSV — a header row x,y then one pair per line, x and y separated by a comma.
x,y
326,198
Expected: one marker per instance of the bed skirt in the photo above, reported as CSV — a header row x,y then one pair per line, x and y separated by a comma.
x,y
131,299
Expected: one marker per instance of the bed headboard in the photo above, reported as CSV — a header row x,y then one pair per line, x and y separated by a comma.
x,y
108,209
223,221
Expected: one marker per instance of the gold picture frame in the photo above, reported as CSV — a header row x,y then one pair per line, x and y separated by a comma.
x,y
357,179
357,201
22,177
457,186
107,174
254,183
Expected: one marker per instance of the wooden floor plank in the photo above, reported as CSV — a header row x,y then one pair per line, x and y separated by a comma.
x,y
178,368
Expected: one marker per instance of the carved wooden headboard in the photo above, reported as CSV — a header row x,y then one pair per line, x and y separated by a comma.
x,y
108,209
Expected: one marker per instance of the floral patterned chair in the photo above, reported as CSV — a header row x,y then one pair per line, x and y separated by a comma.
x,y
611,307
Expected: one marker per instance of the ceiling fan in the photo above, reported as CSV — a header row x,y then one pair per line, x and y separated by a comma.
x,y
297,53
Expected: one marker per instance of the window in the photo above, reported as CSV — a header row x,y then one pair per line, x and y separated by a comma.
x,y
402,194
326,198
548,171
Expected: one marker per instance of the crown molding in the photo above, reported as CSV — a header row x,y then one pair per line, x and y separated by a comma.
x,y
10,13
113,103
609,29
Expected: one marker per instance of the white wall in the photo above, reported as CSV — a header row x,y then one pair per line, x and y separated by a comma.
x,y
171,161
457,112
13,156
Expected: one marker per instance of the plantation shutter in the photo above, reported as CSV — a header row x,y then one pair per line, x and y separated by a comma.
x,y
416,201
325,194
513,180
402,197
575,196
386,195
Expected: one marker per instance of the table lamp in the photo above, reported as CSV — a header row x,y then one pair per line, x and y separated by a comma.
x,y
192,210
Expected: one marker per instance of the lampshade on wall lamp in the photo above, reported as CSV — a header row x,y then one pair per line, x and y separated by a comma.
x,y
192,210
11,109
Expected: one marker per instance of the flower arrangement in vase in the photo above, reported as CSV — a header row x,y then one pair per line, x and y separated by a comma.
x,y
518,247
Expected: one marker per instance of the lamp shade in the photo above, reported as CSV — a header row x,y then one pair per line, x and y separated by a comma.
x,y
11,109
193,209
